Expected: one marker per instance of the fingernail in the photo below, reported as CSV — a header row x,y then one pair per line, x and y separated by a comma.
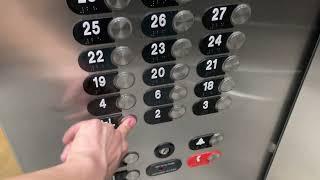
x,y
131,121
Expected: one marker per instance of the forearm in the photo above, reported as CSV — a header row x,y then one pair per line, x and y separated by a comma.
x,y
64,171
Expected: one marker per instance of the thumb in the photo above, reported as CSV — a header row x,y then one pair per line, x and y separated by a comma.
x,y
128,123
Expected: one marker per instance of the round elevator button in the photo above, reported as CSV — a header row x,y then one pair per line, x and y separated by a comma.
x,y
232,63
177,111
223,103
183,21
236,40
131,158
120,28
126,101
164,150
133,175
179,72
181,48
241,14
227,84
124,80
216,139
178,93
117,4
121,56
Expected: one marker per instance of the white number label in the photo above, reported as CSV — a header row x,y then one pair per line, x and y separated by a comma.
x,y
218,13
158,49
205,105
103,104
85,1
95,57
215,41
158,73
157,94
90,29
158,21
211,64
100,81
208,86
157,114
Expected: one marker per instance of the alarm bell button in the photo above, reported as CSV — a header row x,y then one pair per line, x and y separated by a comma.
x,y
203,159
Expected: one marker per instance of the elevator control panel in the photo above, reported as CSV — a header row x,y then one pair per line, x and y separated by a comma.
x,y
166,60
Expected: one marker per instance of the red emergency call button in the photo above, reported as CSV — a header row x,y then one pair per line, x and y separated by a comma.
x,y
203,159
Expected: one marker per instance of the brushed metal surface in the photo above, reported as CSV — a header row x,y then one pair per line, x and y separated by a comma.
x,y
298,154
41,84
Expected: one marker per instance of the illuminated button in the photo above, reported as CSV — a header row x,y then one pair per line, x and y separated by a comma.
x,y
206,106
122,56
164,167
133,175
178,93
216,139
181,48
236,40
183,21
183,1
117,4
131,158
241,14
227,84
124,80
203,159
223,103
126,101
99,84
104,106
158,115
179,72
114,120
232,63
177,111
164,150
120,28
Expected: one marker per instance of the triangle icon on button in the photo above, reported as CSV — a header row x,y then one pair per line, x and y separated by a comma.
x,y
200,142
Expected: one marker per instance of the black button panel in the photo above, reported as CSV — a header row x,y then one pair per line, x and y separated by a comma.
x,y
158,75
211,66
218,17
114,120
164,167
159,3
104,106
164,150
158,96
201,142
91,32
159,51
96,60
158,115
86,7
208,87
99,84
159,24
215,44
206,106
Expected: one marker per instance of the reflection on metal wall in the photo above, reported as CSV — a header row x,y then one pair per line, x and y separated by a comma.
x,y
187,51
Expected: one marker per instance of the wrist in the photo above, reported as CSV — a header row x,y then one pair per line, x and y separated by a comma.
x,y
85,169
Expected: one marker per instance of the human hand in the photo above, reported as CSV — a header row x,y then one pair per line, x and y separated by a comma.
x,y
98,146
